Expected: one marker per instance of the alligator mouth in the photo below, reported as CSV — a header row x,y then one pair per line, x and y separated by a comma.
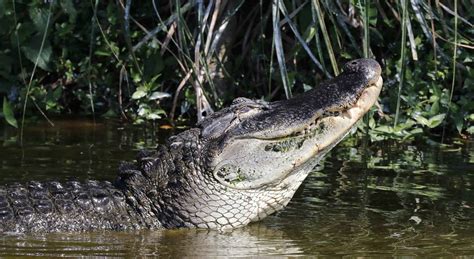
x,y
325,131
281,157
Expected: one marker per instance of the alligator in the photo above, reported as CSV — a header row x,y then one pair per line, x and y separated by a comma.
x,y
237,166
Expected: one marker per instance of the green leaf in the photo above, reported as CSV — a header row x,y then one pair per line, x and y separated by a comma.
x,y
143,110
32,51
434,108
307,87
412,133
159,95
39,17
372,15
8,113
102,53
471,117
384,129
458,121
110,114
420,119
372,122
50,105
470,130
436,120
57,93
153,116
139,93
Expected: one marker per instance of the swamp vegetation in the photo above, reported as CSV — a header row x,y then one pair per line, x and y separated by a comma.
x,y
174,61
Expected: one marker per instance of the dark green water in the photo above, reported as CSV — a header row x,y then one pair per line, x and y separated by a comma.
x,y
386,200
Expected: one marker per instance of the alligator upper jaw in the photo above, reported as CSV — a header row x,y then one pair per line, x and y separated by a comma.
x,y
354,111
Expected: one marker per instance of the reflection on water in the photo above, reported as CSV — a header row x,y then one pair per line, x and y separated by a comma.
x,y
384,200
253,240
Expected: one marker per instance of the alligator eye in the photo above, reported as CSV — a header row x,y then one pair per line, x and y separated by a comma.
x,y
244,109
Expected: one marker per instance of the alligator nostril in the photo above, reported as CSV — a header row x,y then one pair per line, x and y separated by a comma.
x,y
354,63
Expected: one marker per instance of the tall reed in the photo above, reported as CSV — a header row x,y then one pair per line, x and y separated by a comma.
x,y
455,49
322,25
279,47
28,87
402,58
366,41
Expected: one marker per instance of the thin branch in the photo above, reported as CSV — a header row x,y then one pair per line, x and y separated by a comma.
x,y
188,6
28,88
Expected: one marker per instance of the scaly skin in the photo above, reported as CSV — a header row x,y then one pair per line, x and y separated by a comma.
x,y
237,166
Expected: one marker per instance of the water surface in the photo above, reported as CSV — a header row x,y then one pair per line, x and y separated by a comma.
x,y
385,199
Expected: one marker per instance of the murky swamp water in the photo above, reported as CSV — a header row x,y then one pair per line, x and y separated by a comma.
x,y
388,199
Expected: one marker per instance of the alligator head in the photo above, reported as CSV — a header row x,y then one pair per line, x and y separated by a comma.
x,y
251,157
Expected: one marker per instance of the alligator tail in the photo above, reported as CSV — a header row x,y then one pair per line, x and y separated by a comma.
x,y
70,206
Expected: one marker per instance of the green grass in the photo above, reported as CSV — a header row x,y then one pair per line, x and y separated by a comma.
x,y
402,59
